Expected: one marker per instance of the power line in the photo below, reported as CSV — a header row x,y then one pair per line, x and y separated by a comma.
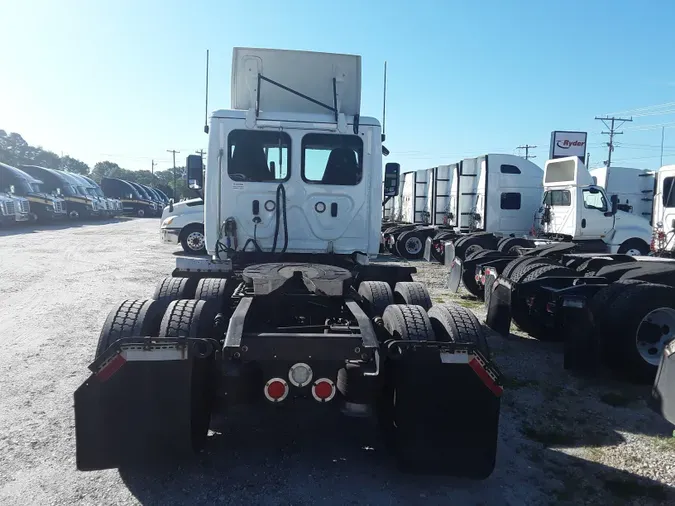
x,y
640,110
527,148
612,132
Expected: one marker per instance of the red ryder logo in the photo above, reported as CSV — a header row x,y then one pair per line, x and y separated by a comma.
x,y
566,144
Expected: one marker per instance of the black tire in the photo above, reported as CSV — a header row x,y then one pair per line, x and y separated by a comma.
x,y
189,242
543,271
141,213
408,322
636,245
131,318
508,245
170,289
485,241
189,318
524,268
211,288
410,245
455,323
378,295
412,292
511,266
625,315
653,272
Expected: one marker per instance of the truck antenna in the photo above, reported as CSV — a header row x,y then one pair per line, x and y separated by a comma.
x,y
206,108
384,104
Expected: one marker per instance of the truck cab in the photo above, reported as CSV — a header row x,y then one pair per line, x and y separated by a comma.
x,y
132,201
86,188
574,208
6,210
307,181
45,206
59,183
145,196
183,223
113,205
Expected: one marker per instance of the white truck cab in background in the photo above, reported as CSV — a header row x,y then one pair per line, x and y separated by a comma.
x,y
183,223
633,187
576,209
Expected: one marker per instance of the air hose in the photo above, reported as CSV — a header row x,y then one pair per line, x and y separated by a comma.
x,y
280,208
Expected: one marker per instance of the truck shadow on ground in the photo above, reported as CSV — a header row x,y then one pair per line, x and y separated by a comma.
x,y
335,460
36,227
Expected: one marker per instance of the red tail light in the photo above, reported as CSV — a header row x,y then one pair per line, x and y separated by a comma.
x,y
323,390
276,390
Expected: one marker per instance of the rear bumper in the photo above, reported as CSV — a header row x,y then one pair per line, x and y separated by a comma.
x,y
169,235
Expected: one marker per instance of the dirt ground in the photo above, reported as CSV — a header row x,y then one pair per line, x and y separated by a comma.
x,y
563,439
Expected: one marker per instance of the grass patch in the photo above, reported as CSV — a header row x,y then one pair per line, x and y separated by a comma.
x,y
665,443
549,437
440,300
616,399
469,303
631,489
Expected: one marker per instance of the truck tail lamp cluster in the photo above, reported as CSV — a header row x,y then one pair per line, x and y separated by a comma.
x,y
300,375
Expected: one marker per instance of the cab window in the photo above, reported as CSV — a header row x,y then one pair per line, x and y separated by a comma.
x,y
257,156
332,159
557,198
595,200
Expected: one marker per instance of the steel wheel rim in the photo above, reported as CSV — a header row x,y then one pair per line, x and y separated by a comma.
x,y
633,252
195,241
413,245
654,332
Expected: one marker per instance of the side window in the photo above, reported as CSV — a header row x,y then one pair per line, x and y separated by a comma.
x,y
332,159
668,197
509,169
595,200
557,198
257,156
510,200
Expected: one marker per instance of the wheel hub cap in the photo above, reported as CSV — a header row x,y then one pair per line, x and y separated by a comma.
x,y
413,245
655,331
195,241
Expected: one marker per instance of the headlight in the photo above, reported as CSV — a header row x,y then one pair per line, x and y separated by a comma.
x,y
168,221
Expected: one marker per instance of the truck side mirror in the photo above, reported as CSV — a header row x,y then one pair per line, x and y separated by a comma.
x,y
195,172
392,173
614,199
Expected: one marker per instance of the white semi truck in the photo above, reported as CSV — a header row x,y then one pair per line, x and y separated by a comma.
x,y
183,223
494,194
293,306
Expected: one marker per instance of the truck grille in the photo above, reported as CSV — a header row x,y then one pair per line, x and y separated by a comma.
x,y
58,206
10,208
25,206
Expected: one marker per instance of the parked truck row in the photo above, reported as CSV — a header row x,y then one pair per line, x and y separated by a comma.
x,y
35,193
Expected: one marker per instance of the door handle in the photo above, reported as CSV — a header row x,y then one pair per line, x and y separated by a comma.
x,y
583,223
333,209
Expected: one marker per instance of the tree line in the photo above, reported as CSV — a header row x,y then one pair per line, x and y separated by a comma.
x,y
15,151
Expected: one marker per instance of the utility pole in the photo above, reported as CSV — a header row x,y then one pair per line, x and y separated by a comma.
x,y
612,132
152,169
527,148
200,152
173,151
663,136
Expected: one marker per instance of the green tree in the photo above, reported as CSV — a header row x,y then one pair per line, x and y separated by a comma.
x,y
72,165
106,169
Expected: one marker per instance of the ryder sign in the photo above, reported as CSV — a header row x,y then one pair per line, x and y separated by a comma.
x,y
568,144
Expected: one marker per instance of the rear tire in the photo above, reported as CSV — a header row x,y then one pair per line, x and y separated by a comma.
x,y
454,323
131,318
170,289
378,295
410,245
412,292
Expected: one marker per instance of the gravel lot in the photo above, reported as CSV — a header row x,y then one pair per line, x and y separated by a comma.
x,y
563,439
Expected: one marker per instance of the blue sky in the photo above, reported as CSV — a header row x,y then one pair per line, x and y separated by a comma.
x,y
124,80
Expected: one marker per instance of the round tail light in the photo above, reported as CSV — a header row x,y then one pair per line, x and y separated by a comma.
x,y
276,390
323,390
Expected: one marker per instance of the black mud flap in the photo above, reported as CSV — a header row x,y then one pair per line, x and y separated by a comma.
x,y
454,276
581,346
134,411
499,310
446,410
663,393
428,244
